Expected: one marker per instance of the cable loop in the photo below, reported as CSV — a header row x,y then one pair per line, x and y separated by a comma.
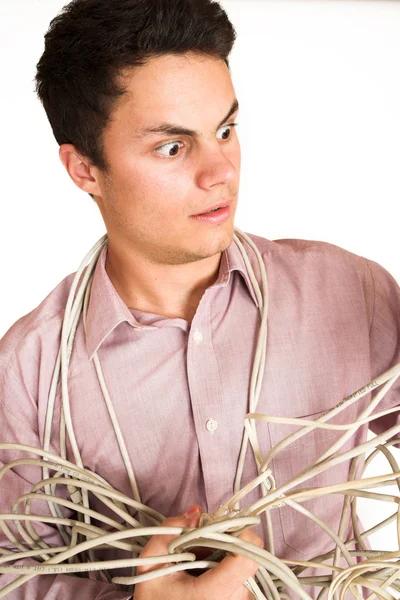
x,y
276,578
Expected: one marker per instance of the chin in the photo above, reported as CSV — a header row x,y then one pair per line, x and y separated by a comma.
x,y
225,237
217,244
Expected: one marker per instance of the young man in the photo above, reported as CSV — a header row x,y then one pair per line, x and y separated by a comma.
x,y
141,101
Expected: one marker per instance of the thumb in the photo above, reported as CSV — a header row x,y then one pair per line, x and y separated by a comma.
x,y
192,516
158,544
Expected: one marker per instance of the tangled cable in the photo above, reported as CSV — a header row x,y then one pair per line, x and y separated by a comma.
x,y
378,572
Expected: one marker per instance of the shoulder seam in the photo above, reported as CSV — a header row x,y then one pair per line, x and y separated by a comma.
x,y
32,328
374,294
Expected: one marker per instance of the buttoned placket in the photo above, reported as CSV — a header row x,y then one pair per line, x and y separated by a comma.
x,y
205,390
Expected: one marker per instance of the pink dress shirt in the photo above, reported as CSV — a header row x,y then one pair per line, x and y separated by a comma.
x,y
180,390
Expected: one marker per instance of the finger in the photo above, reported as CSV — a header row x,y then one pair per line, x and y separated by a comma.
x,y
229,576
249,535
158,544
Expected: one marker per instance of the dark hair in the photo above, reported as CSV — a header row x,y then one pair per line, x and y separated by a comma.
x,y
91,43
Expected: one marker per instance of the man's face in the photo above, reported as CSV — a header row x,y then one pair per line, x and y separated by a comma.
x,y
155,183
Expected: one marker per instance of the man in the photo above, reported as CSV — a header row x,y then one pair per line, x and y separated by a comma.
x,y
141,102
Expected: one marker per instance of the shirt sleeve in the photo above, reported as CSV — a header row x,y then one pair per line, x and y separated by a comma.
x,y
19,425
384,339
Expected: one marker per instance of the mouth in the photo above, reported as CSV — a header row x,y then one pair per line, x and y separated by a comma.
x,y
214,209
214,216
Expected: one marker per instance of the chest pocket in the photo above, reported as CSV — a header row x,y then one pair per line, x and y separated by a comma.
x,y
300,532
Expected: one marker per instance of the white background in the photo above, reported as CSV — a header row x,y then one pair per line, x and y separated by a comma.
x,y
318,85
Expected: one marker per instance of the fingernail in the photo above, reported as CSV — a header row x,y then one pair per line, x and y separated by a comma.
x,y
193,511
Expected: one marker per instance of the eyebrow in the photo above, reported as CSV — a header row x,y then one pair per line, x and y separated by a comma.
x,y
172,129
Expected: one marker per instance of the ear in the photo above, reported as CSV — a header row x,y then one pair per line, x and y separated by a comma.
x,y
80,169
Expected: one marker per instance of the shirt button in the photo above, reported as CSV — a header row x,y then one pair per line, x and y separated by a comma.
x,y
198,336
211,425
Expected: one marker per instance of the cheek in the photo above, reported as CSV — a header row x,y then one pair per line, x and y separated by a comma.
x,y
144,185
168,191
142,196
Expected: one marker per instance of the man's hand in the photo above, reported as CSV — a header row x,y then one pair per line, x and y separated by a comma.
x,y
225,582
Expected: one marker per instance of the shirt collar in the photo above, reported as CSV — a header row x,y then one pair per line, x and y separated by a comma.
x,y
106,309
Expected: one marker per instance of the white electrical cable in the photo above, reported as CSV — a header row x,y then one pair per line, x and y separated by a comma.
x,y
275,577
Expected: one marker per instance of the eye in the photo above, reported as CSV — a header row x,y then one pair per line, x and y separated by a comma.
x,y
172,146
227,127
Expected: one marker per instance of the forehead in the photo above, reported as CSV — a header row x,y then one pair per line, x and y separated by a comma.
x,y
191,90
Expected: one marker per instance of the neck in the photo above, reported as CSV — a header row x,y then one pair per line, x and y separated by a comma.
x,y
170,290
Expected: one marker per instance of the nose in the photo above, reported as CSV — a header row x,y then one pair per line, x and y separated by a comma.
x,y
217,165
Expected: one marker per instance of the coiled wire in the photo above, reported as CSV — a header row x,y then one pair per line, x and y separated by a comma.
x,y
377,572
